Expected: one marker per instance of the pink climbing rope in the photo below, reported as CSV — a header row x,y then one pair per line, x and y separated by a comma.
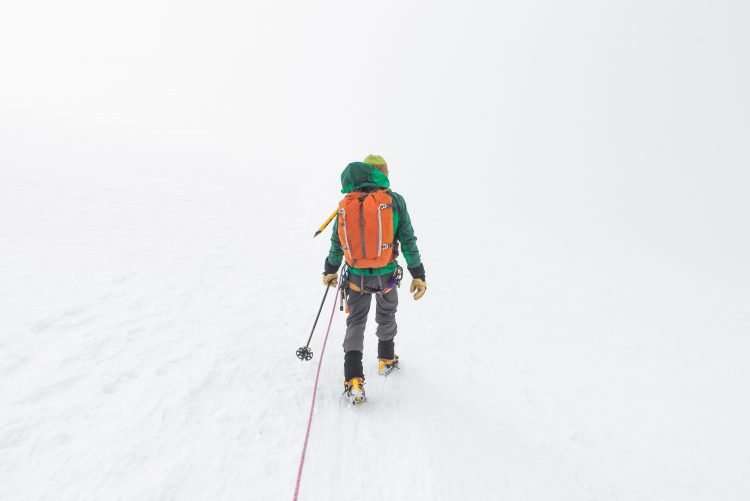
x,y
312,404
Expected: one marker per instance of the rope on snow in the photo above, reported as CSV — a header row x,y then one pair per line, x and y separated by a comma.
x,y
312,405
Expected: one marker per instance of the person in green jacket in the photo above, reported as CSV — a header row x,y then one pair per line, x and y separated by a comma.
x,y
363,283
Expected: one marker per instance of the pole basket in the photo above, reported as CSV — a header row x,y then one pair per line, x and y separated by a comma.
x,y
304,353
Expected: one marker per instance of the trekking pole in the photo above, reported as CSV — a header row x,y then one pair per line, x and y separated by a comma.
x,y
304,352
312,403
326,223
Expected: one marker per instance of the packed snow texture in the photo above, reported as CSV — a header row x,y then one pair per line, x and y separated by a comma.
x,y
577,175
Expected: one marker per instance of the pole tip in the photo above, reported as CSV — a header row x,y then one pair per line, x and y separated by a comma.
x,y
317,233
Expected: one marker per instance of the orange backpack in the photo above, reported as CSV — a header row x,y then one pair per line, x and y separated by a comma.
x,y
365,226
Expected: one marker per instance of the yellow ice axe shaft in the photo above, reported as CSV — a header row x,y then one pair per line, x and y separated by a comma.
x,y
326,223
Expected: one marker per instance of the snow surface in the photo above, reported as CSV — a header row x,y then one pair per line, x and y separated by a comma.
x,y
577,177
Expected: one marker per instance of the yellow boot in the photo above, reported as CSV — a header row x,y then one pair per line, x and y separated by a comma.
x,y
387,365
354,389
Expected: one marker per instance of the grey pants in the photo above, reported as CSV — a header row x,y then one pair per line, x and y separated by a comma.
x,y
359,308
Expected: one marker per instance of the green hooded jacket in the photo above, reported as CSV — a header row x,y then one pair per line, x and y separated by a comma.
x,y
361,176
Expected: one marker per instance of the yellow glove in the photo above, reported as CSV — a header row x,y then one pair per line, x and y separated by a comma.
x,y
418,288
330,279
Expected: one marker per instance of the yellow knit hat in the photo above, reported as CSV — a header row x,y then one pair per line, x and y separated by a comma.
x,y
375,160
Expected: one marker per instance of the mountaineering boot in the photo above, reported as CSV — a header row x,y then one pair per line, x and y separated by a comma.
x,y
387,365
387,359
354,378
354,389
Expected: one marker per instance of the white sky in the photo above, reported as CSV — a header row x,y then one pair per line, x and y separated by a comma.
x,y
474,79
639,109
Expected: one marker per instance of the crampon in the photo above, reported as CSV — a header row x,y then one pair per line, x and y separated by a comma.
x,y
354,390
386,365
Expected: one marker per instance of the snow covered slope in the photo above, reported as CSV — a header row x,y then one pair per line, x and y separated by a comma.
x,y
150,323
577,179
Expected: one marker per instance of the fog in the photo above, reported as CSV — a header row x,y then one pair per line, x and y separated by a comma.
x,y
577,174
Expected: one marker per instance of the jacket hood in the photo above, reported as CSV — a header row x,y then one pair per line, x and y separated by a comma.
x,y
359,175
